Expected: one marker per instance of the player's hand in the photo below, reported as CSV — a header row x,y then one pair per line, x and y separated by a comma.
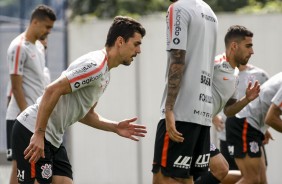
x,y
267,137
218,123
173,134
35,149
252,92
129,130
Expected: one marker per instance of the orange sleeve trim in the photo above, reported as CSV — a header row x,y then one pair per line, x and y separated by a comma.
x,y
170,20
90,73
18,51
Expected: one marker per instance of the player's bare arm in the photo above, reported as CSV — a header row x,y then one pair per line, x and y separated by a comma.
x,y
17,90
50,98
124,128
232,107
218,122
175,74
273,119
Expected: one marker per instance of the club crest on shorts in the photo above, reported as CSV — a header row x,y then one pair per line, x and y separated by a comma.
x,y
46,171
212,147
254,147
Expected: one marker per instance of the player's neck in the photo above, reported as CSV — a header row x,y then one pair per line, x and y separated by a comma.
x,y
230,58
112,58
29,36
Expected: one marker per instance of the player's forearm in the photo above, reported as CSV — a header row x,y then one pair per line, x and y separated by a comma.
x,y
275,123
233,109
175,74
272,118
96,121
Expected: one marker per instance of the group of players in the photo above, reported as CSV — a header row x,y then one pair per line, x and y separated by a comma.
x,y
200,89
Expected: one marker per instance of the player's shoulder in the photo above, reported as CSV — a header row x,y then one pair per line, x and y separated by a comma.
x,y
254,70
17,42
220,59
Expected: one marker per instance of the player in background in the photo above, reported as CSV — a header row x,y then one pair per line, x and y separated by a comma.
x,y
26,61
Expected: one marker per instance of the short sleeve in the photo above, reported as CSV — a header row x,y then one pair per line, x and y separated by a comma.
x,y
177,21
86,74
277,99
16,57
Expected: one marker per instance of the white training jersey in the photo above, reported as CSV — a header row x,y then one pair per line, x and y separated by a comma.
x,y
224,83
28,60
192,26
88,77
255,111
251,73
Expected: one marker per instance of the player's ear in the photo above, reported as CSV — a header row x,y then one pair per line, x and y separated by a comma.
x,y
119,41
234,45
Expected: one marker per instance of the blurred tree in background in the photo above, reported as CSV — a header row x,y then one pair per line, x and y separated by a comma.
x,y
110,8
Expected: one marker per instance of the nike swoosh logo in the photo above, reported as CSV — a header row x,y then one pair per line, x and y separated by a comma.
x,y
225,78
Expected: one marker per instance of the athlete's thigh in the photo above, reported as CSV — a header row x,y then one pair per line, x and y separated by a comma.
x,y
201,151
218,163
251,166
225,152
21,137
171,158
61,180
61,163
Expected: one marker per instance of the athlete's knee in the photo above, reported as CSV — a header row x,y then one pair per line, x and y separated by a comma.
x,y
219,167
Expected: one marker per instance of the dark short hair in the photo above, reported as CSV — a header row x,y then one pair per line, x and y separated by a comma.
x,y
125,27
236,33
42,11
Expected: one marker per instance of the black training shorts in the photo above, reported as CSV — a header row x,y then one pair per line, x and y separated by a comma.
x,y
56,161
181,160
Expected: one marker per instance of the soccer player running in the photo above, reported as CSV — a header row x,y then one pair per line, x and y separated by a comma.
x,y
247,135
26,61
239,48
182,145
38,131
247,73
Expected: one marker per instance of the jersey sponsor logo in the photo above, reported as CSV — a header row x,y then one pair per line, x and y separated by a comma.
x,y
208,18
46,171
205,98
203,160
176,41
183,162
20,175
177,27
205,78
254,147
226,66
77,84
83,69
202,113
91,78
